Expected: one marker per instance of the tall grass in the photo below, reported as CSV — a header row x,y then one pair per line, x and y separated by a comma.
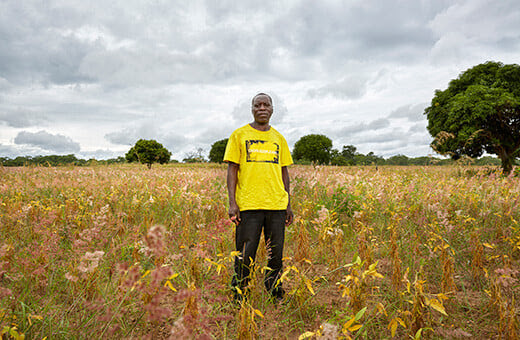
x,y
126,252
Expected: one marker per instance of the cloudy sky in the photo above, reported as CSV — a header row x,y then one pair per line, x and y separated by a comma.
x,y
92,77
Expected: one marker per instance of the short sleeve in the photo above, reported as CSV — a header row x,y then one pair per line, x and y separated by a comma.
x,y
286,158
232,153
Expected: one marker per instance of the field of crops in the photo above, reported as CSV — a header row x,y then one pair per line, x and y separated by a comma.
x,y
127,252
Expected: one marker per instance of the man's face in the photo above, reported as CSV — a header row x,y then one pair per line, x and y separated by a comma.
x,y
262,109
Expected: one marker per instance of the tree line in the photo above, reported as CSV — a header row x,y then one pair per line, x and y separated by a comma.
x,y
317,149
348,156
56,160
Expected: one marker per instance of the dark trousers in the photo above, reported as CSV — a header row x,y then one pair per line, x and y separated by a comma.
x,y
247,238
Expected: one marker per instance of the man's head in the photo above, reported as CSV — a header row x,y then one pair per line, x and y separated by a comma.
x,y
262,108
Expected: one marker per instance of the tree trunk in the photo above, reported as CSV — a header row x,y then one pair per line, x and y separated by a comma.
x,y
507,161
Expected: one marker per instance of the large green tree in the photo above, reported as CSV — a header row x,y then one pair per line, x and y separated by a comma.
x,y
313,148
479,111
216,154
148,152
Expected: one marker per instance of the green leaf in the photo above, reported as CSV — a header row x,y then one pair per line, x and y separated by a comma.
x,y
360,314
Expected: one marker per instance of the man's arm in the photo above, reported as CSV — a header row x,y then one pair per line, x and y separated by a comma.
x,y
289,216
232,179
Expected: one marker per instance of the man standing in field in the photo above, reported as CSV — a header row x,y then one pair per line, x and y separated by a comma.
x,y
258,188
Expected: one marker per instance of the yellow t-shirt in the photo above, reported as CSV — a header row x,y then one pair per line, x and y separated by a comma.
x,y
260,156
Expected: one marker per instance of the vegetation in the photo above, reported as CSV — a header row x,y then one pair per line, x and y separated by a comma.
x,y
216,154
196,156
313,148
430,252
479,111
148,152
336,159
55,160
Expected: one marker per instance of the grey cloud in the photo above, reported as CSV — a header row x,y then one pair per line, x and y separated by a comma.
x,y
369,31
464,29
34,49
148,130
417,128
153,67
21,119
213,134
352,87
148,44
174,141
377,124
131,134
47,141
413,113
478,19
381,138
4,85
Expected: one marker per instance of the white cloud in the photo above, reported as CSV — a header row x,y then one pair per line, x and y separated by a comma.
x,y
47,141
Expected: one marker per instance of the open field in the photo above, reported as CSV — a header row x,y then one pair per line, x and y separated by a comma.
x,y
126,252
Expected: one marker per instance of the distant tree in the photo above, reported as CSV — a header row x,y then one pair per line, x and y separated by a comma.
x,y
313,148
479,111
336,158
368,159
348,153
148,152
195,156
216,154
398,160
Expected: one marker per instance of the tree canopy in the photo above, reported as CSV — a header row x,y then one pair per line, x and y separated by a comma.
x,y
148,152
479,112
313,148
196,156
216,154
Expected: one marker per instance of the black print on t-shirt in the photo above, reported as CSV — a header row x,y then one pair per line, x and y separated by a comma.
x,y
262,151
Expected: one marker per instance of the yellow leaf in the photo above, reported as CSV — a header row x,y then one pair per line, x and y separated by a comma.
x,y
381,308
173,276
487,245
306,335
169,285
354,328
145,274
392,326
376,274
441,296
259,313
309,286
437,305
37,317
349,323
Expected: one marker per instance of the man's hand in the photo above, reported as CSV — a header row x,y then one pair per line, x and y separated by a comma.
x,y
289,216
234,213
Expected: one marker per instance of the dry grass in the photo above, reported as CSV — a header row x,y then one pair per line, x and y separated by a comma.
x,y
126,252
